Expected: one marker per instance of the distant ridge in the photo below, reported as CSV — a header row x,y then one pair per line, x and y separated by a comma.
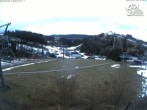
x,y
72,36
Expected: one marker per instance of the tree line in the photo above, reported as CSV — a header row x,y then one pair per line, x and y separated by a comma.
x,y
111,46
27,36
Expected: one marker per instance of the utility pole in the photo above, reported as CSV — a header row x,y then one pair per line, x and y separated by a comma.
x,y
114,39
124,55
63,49
63,53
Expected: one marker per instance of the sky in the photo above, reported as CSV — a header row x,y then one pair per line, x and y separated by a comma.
x,y
75,16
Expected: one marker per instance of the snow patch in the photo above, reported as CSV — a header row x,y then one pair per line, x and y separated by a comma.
x,y
77,67
85,57
7,69
4,64
10,68
115,66
131,40
138,66
62,76
70,76
144,83
74,47
142,73
100,58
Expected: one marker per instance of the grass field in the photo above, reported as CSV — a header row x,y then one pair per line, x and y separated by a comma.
x,y
92,88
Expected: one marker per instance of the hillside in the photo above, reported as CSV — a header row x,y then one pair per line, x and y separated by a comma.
x,y
112,45
108,44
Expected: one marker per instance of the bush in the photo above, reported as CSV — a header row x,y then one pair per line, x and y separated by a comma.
x,y
67,90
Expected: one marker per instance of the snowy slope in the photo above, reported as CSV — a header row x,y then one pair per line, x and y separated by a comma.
x,y
71,52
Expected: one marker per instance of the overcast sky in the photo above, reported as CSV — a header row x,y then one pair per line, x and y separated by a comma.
x,y
75,16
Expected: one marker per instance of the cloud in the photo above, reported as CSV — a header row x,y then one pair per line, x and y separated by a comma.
x,y
32,10
64,27
74,16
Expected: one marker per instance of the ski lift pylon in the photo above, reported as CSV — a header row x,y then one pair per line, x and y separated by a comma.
x,y
4,42
6,52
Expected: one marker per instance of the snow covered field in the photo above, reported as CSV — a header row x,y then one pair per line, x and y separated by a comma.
x,y
142,71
